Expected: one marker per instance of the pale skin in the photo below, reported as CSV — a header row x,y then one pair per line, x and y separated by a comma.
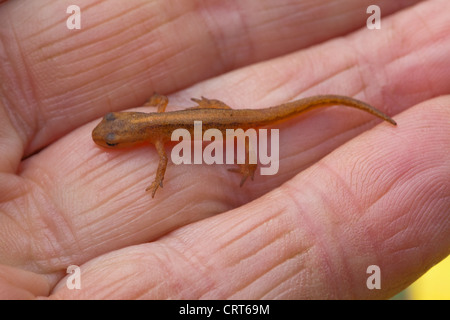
x,y
351,192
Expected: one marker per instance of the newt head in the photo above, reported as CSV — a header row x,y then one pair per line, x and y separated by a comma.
x,y
119,130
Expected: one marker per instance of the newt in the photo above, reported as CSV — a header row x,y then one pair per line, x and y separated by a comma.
x,y
126,129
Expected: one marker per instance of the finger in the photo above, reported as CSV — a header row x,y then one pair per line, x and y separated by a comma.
x,y
382,199
56,79
21,284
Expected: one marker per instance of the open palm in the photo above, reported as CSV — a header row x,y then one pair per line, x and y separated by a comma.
x,y
351,192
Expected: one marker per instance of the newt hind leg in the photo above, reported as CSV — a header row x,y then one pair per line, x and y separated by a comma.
x,y
245,170
206,103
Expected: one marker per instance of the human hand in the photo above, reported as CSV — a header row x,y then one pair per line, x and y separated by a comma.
x,y
343,199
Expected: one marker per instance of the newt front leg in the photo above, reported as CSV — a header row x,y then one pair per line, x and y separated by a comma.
x,y
162,165
160,102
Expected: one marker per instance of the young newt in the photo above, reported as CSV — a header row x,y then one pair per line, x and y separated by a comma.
x,y
125,129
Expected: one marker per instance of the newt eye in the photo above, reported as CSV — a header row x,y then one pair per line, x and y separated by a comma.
x,y
110,116
110,138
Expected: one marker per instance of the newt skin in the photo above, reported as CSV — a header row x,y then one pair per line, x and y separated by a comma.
x,y
126,129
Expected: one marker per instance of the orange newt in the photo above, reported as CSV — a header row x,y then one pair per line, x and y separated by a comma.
x,y
125,129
